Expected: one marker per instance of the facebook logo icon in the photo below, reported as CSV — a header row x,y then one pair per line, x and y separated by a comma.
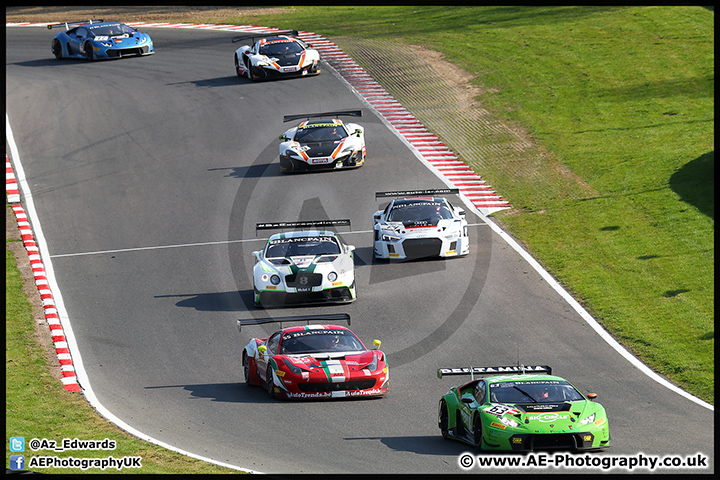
x,y
17,462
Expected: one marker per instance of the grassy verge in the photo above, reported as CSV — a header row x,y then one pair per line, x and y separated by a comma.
x,y
620,101
37,406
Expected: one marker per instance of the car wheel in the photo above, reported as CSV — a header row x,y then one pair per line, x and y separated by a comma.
x,y
237,67
246,368
89,51
443,420
477,432
269,382
286,165
57,49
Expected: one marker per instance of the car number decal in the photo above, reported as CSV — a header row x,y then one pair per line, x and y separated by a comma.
x,y
499,409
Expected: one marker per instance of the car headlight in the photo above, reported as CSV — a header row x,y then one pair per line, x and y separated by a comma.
x,y
347,151
509,422
588,420
332,276
292,367
372,366
386,237
275,280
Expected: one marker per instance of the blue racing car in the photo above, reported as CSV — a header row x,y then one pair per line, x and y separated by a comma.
x,y
96,39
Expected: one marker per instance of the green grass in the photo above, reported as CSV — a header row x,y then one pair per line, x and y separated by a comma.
x,y
620,101
37,406
618,204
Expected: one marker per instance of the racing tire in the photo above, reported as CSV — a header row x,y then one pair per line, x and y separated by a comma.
x,y
89,51
269,384
477,432
237,67
246,368
57,49
443,417
287,165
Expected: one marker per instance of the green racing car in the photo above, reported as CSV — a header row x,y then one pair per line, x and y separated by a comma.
x,y
521,408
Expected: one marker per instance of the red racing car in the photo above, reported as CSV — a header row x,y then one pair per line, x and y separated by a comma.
x,y
314,361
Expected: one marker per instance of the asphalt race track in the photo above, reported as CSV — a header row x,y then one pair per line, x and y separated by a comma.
x,y
149,175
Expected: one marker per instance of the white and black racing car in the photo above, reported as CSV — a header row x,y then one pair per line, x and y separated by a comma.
x,y
276,55
419,224
322,142
310,265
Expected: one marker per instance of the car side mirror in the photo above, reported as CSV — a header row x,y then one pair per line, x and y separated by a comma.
x,y
351,248
283,137
461,212
376,344
262,349
467,400
592,396
358,132
256,255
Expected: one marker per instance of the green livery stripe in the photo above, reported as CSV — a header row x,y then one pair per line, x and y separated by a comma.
x,y
294,269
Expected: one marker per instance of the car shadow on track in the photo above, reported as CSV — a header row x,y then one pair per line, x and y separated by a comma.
x,y
421,445
232,301
222,392
242,393
50,62
212,82
253,171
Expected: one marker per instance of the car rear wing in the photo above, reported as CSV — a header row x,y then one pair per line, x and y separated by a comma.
x,y
301,224
68,25
253,37
418,193
347,113
444,372
331,317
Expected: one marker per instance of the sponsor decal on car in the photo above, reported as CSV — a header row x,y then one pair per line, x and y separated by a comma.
x,y
548,417
336,394
319,160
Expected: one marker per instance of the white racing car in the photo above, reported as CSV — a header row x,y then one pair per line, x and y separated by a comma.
x,y
322,144
304,266
276,55
419,225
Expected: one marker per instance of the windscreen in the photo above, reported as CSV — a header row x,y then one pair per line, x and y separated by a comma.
x,y
320,132
297,246
319,341
279,48
113,30
416,213
533,391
